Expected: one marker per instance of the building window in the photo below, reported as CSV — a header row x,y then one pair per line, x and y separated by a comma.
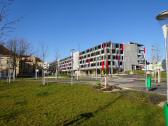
x,y
113,63
109,57
108,50
97,53
117,45
109,63
108,44
93,64
113,51
102,51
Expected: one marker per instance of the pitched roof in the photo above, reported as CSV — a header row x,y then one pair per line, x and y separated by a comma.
x,y
4,50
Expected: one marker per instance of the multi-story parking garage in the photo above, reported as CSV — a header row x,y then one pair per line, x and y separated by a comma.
x,y
107,57
104,57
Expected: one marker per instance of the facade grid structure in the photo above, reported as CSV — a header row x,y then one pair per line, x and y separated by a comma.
x,y
106,57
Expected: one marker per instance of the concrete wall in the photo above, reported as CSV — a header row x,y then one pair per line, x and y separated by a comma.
x,y
130,56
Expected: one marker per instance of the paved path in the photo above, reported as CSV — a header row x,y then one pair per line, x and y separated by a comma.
x,y
137,83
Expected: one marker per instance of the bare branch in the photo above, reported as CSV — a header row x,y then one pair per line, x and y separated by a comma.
x,y
6,25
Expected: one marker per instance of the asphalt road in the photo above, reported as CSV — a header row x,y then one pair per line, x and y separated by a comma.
x,y
132,82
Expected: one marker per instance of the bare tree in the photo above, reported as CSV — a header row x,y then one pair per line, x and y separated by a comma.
x,y
56,64
12,46
18,48
6,24
44,51
24,47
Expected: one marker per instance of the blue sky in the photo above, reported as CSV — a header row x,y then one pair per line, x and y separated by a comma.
x,y
65,24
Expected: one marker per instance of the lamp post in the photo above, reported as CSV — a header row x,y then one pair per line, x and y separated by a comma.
x,y
72,50
163,19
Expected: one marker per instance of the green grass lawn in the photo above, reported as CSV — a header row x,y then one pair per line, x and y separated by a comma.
x,y
27,103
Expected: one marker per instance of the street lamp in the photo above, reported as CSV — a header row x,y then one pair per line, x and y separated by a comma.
x,y
72,50
163,19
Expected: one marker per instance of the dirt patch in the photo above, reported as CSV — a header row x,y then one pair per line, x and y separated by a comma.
x,y
109,88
